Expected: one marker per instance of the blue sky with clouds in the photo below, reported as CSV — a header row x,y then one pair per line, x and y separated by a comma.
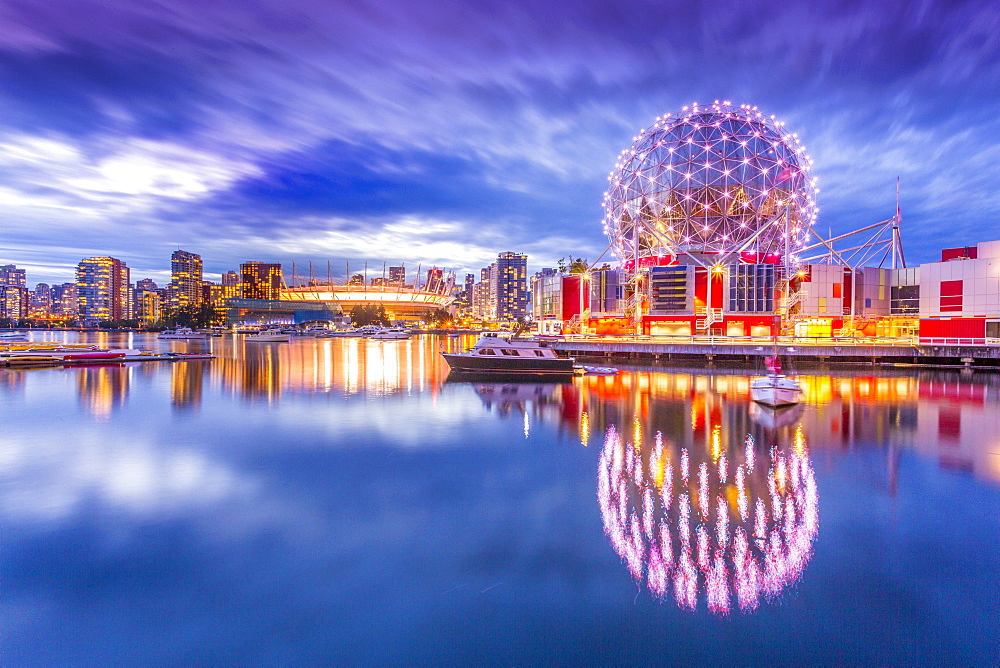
x,y
444,132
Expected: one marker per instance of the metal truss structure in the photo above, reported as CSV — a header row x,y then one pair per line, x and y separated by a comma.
x,y
713,179
883,241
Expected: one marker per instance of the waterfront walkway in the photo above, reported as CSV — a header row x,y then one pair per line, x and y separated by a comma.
x,y
872,351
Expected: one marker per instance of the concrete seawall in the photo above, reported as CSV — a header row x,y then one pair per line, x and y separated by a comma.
x,y
656,352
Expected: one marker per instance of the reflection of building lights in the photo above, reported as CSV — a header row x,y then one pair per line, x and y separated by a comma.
x,y
748,549
584,428
527,425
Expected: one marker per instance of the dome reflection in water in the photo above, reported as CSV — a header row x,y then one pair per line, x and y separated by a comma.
x,y
731,533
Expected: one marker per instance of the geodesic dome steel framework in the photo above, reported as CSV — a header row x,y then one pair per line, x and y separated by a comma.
x,y
716,178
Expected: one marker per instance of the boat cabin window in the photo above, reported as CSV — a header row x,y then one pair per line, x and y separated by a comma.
x,y
487,351
507,351
538,353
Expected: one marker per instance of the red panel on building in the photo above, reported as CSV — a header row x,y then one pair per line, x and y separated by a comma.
x,y
951,296
651,261
572,300
848,290
759,258
964,328
700,288
951,288
968,252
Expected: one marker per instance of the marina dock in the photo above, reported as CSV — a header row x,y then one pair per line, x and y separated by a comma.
x,y
726,350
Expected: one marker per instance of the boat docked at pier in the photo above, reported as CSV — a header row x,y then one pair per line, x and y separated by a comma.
x,y
392,333
182,333
497,355
269,336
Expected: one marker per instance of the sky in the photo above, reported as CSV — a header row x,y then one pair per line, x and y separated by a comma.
x,y
442,133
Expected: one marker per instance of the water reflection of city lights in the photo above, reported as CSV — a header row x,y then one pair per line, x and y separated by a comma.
x,y
735,537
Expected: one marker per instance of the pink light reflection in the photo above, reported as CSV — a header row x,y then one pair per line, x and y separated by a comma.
x,y
648,520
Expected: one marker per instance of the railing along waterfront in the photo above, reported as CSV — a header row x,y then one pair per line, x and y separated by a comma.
x,y
905,341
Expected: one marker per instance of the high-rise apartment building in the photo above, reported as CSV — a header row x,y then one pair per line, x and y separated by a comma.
x,y
11,275
511,286
185,279
260,280
40,302
397,276
147,305
103,289
464,299
484,294
13,302
65,301
230,285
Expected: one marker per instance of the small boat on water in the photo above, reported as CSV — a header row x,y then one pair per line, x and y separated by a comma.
x,y
269,336
498,355
13,337
182,333
342,333
318,331
596,370
775,388
392,333
68,354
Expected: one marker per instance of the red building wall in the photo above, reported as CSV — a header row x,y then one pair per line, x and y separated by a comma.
x,y
961,328
571,298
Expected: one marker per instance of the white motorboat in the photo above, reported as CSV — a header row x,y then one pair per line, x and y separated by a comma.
x,y
497,355
183,333
318,331
392,333
775,388
596,370
269,336
342,333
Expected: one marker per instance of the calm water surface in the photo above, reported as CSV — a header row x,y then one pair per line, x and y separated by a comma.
x,y
339,501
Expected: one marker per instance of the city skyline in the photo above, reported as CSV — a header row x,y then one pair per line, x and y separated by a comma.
x,y
446,134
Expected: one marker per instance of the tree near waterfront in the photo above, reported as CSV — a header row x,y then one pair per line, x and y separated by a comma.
x,y
195,317
571,266
363,315
440,319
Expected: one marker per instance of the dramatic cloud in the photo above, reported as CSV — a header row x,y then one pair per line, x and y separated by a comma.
x,y
446,132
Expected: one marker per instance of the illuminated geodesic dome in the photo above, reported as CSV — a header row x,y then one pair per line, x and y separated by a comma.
x,y
707,180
